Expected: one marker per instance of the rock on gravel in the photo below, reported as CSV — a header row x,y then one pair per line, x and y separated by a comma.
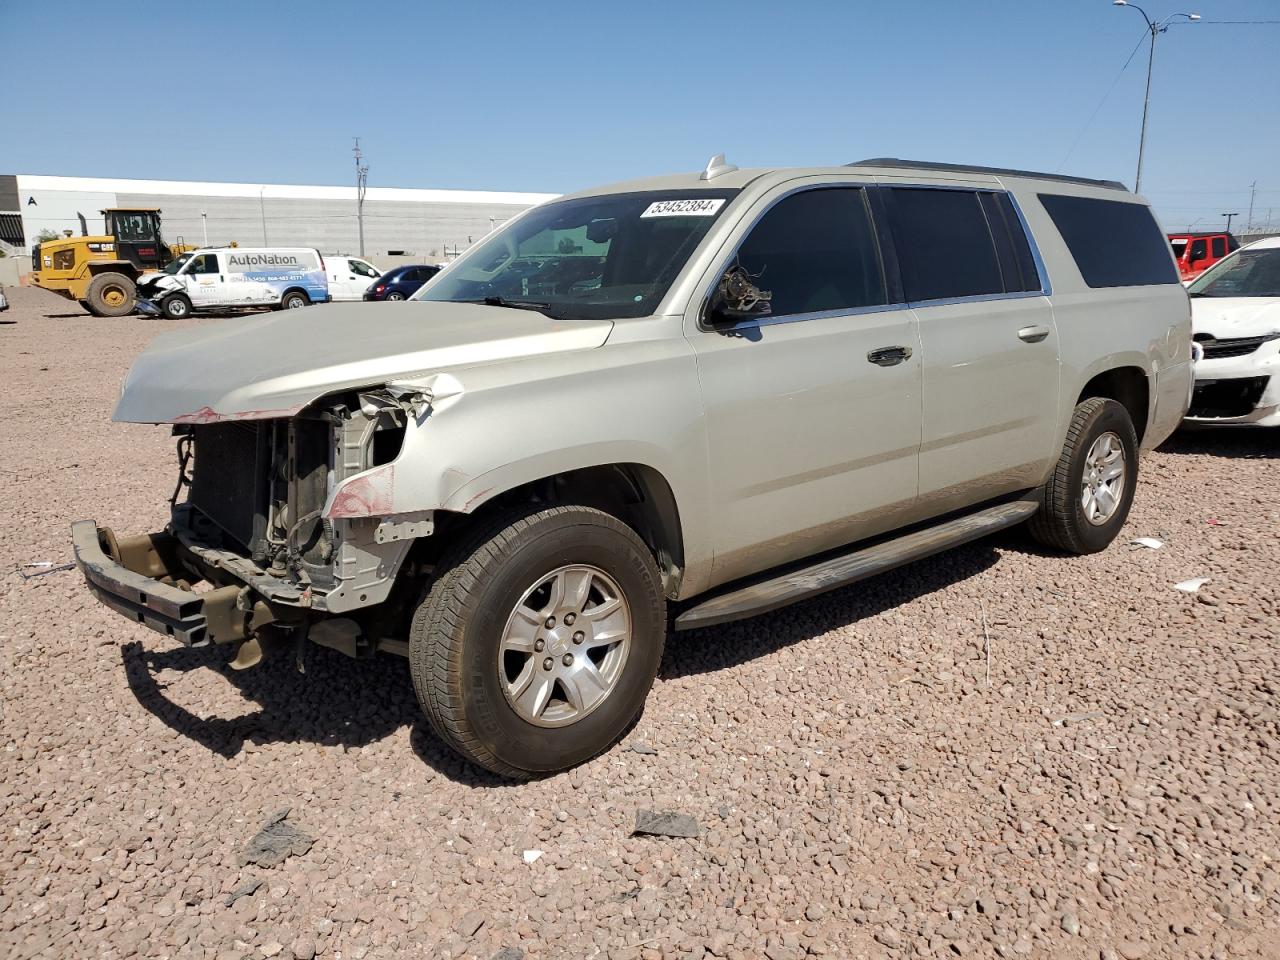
x,y
847,752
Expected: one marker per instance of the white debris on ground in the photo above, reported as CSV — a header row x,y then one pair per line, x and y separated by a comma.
x,y
860,788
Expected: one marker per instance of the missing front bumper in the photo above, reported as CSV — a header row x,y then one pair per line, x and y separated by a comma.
x,y
137,577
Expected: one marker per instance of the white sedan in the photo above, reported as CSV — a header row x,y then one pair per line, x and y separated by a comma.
x,y
1235,317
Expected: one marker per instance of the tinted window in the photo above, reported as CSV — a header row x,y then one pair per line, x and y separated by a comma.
x,y
1219,246
945,248
1198,250
1017,265
1114,244
816,251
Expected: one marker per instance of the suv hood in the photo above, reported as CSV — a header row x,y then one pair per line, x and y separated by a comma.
x,y
273,365
1225,317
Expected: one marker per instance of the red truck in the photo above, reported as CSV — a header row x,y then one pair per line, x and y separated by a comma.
x,y
1196,252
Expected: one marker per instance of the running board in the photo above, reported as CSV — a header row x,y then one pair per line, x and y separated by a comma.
x,y
851,567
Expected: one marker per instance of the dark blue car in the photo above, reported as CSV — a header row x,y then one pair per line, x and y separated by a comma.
x,y
399,283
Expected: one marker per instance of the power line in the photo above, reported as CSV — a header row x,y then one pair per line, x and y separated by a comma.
x,y
1080,135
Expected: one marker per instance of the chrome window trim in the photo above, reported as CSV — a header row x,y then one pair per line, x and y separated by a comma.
x,y
976,298
768,320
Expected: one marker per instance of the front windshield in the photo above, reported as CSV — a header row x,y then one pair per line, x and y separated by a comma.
x,y
177,264
1246,273
602,257
1179,248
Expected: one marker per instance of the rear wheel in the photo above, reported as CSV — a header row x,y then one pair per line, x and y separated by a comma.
x,y
393,295
536,645
176,306
1087,499
294,300
111,295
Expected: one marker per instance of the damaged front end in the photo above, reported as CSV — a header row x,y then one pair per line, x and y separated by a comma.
x,y
261,546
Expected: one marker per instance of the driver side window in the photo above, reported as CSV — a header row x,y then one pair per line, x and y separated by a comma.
x,y
1199,250
205,263
816,251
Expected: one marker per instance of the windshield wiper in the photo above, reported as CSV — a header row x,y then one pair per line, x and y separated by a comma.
x,y
513,304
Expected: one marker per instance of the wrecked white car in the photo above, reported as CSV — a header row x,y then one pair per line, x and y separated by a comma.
x,y
725,391
1235,317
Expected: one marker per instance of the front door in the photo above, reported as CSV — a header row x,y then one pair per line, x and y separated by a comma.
x,y
349,277
206,282
813,410
989,342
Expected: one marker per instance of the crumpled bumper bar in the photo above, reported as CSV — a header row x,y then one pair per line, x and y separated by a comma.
x,y
136,593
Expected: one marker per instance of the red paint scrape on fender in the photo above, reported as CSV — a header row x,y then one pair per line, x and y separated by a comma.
x,y
210,415
368,495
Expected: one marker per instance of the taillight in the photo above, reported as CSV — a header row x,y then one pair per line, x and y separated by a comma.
x,y
379,288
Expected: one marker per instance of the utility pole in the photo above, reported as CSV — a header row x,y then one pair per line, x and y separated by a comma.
x,y
262,209
362,177
204,223
1229,216
1253,192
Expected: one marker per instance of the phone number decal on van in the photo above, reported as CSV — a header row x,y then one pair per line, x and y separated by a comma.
x,y
683,208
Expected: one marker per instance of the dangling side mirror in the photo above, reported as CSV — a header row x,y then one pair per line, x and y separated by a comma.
x,y
737,298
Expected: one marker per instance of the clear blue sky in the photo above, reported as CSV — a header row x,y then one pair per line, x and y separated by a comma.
x,y
554,96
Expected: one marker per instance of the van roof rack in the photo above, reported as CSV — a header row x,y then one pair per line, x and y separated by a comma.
x,y
996,171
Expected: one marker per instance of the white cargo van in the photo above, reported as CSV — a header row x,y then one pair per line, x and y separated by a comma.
x,y
349,277
228,278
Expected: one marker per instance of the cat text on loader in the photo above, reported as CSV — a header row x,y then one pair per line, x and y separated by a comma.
x,y
101,273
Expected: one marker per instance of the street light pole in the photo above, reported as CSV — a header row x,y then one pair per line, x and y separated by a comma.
x,y
1229,216
1155,28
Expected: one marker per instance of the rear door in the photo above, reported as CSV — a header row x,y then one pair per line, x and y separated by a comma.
x,y
990,374
813,411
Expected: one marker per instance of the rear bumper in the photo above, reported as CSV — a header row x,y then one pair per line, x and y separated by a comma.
x,y
128,576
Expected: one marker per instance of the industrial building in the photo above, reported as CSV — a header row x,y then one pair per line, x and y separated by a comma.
x,y
421,223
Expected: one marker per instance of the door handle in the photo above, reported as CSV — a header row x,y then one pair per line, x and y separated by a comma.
x,y
888,356
1033,334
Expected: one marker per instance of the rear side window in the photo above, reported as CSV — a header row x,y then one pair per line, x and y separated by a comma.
x,y
960,243
1219,247
1114,244
816,251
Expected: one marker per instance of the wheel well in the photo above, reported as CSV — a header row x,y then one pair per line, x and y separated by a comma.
x,y
123,267
1127,386
636,494
295,290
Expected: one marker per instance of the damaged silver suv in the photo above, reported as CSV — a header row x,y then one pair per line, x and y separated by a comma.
x,y
674,402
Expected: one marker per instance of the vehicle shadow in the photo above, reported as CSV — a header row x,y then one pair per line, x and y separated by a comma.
x,y
1246,443
337,702
729,645
353,703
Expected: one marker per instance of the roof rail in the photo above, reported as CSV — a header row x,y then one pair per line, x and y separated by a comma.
x,y
994,171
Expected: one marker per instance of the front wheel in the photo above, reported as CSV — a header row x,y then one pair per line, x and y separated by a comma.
x,y
176,306
534,648
294,300
1087,498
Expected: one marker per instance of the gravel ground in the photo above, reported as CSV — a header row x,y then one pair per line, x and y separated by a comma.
x,y
876,774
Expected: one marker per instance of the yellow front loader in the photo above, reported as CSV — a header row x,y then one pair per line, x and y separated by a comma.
x,y
101,273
